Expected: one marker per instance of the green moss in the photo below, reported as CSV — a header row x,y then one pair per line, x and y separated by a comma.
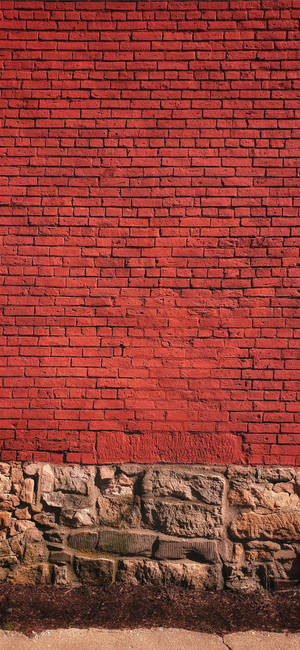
x,y
7,626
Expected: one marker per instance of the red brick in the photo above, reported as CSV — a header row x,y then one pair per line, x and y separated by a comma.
x,y
150,233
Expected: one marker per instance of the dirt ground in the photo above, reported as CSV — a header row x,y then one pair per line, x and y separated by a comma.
x,y
32,609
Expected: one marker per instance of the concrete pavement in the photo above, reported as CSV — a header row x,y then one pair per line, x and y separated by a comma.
x,y
145,639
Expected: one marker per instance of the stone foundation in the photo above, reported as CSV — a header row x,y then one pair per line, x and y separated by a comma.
x,y
194,526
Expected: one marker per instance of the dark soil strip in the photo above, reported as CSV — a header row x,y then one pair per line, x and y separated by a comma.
x,y
35,608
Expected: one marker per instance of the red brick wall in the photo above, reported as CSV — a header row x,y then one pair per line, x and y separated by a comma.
x,y
150,231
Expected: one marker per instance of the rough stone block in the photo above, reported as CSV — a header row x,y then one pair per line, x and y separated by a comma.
x,y
83,518
131,469
66,501
5,469
119,512
5,518
5,484
60,575
7,557
76,519
262,493
83,541
126,542
35,553
203,550
31,469
278,526
22,513
275,474
183,519
185,485
60,557
44,519
106,473
27,492
118,485
183,574
30,575
20,526
75,479
94,570
46,479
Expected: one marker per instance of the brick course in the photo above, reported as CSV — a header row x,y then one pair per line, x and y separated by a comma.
x,y
150,231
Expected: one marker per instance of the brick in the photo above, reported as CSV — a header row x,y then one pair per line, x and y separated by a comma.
x,y
149,231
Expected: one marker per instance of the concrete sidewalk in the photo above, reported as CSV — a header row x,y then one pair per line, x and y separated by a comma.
x,y
145,639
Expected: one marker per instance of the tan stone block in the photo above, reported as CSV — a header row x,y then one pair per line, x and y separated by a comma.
x,y
106,473
20,526
5,484
35,553
185,574
279,525
45,571
22,513
183,519
83,541
83,518
30,469
5,469
5,518
74,479
46,480
7,557
27,492
44,518
94,570
241,496
30,575
127,542
17,478
268,496
119,511
17,546
184,484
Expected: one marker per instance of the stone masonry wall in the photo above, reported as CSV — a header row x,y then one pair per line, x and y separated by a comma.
x,y
205,527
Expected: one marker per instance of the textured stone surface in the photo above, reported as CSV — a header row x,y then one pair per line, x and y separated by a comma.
x,y
46,479
179,525
204,550
126,542
275,474
27,492
65,501
94,570
37,574
113,483
119,512
183,574
185,485
281,525
84,541
5,483
262,494
7,557
183,519
35,553
72,479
